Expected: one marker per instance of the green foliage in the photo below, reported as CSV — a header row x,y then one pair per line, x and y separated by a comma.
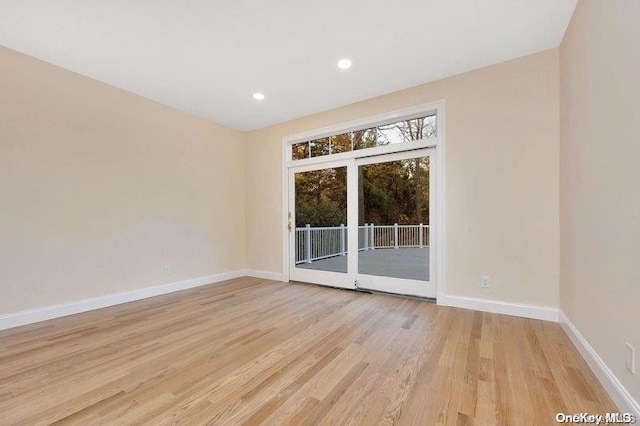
x,y
325,213
321,197
392,192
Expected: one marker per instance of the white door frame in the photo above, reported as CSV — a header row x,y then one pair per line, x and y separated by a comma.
x,y
438,143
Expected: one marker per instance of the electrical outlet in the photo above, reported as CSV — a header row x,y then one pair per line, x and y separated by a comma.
x,y
270,260
631,358
167,270
485,281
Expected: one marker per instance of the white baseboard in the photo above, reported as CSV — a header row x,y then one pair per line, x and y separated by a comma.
x,y
499,307
618,393
275,276
42,314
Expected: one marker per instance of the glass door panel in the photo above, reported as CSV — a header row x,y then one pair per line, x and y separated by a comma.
x,y
394,226
319,226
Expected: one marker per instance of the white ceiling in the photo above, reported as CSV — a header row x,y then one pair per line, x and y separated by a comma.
x,y
207,57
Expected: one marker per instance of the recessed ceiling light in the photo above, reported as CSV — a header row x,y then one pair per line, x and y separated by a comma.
x,y
344,64
258,96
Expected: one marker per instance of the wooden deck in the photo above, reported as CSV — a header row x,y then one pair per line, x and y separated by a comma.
x,y
408,263
256,351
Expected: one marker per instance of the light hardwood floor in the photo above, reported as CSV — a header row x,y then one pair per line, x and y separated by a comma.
x,y
256,351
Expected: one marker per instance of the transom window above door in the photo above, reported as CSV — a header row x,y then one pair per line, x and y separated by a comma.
x,y
396,132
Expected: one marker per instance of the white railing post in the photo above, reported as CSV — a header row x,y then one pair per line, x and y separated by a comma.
x,y
421,238
342,241
373,237
366,236
308,242
427,231
395,234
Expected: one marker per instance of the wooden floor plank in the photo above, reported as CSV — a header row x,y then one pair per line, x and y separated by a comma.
x,y
253,351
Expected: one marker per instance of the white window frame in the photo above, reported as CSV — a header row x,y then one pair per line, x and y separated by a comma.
x,y
437,143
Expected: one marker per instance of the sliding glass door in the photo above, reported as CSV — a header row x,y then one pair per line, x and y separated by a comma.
x,y
364,223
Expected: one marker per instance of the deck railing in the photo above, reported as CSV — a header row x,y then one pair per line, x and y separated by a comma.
x,y
315,243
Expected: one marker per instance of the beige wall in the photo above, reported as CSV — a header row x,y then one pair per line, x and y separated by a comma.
x,y
99,189
502,164
600,178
